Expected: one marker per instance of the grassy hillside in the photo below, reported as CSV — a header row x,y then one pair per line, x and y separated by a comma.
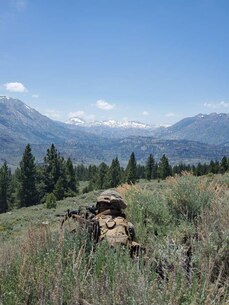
x,y
182,223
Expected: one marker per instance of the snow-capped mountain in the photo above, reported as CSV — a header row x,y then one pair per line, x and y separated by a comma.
x,y
98,142
76,121
113,128
110,123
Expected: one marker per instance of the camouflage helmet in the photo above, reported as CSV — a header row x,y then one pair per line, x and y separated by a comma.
x,y
112,198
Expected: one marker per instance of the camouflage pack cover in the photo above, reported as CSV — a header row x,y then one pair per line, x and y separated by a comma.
x,y
114,230
111,197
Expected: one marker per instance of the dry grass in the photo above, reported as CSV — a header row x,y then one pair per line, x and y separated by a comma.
x,y
48,267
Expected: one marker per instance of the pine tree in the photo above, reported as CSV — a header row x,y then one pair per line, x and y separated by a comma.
x,y
5,180
93,177
141,171
40,183
102,175
27,193
81,172
223,165
92,171
70,176
211,167
59,189
164,169
150,167
53,168
131,170
113,178
199,170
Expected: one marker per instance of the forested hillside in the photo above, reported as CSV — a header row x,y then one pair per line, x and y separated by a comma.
x,y
57,178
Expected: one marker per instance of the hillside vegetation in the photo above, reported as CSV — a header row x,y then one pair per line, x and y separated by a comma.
x,y
182,223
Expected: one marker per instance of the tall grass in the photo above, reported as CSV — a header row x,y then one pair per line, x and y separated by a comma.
x,y
185,260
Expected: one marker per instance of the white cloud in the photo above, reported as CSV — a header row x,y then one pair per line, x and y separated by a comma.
x,y
145,113
221,104
15,87
101,104
170,114
53,114
82,115
35,95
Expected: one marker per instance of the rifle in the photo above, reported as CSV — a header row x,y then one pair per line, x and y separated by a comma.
x,y
92,209
76,215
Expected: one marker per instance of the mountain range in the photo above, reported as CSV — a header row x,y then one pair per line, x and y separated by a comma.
x,y
112,128
207,128
196,139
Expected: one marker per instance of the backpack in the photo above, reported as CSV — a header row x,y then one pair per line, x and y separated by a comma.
x,y
114,230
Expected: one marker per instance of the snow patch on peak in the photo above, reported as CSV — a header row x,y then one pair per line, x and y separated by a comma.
x,y
76,121
201,115
29,108
110,124
3,97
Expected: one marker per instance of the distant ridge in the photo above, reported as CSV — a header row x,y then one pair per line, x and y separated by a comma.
x,y
110,123
113,128
21,124
207,128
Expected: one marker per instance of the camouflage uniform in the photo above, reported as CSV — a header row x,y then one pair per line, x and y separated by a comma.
x,y
108,222
111,221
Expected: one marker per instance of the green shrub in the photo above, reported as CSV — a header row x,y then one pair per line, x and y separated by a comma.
x,y
51,201
188,195
149,212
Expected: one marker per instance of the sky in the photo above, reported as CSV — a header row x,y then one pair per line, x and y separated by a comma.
x,y
151,61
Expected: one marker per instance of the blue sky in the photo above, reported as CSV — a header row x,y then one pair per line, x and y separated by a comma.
x,y
153,61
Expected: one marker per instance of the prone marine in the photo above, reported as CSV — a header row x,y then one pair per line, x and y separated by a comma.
x,y
106,221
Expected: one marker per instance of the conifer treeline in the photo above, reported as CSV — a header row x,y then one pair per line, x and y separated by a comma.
x,y
32,184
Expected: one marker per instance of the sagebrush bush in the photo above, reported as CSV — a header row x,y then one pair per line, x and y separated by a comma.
x,y
188,195
51,201
149,211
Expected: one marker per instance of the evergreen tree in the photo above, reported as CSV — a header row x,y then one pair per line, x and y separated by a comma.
x,y
81,172
140,171
131,170
150,167
223,165
102,175
27,192
40,183
212,167
5,180
92,172
59,189
93,177
113,177
164,169
70,176
53,169
199,170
